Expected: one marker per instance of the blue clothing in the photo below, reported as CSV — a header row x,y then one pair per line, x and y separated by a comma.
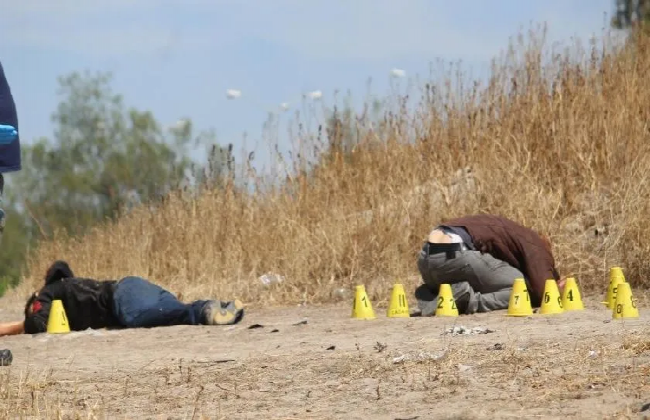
x,y
139,303
9,153
7,134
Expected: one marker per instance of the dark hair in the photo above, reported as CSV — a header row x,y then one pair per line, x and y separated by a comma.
x,y
58,270
30,302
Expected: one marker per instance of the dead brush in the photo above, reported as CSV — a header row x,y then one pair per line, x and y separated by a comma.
x,y
557,141
636,345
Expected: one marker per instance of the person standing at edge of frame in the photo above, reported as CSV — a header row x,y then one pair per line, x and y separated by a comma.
x,y
9,153
9,162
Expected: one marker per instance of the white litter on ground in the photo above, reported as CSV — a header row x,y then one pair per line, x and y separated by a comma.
x,y
464,368
269,279
461,330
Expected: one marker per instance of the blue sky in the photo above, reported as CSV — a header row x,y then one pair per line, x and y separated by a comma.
x,y
177,58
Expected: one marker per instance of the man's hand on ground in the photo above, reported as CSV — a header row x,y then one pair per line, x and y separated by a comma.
x,y
12,328
561,283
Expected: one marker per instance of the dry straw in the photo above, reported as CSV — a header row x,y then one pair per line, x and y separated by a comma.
x,y
557,141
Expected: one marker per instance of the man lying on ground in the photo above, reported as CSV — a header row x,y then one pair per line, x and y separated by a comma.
x,y
480,256
131,302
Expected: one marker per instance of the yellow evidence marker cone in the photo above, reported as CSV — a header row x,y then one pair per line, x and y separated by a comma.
x,y
399,306
615,278
552,301
519,304
571,297
625,306
362,307
446,303
57,321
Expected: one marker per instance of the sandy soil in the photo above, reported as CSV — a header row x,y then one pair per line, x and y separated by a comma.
x,y
318,363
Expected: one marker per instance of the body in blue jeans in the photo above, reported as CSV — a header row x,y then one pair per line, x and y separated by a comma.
x,y
139,303
132,302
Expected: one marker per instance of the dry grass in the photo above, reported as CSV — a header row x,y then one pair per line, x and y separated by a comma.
x,y
558,142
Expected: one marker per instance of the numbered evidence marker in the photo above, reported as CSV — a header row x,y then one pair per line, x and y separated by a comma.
x,y
615,278
625,306
571,297
361,306
399,307
57,321
519,304
446,302
551,301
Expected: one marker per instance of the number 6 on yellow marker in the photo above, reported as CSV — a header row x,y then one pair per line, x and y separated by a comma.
x,y
552,302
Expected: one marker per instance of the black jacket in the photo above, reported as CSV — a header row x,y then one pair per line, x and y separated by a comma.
x,y
88,303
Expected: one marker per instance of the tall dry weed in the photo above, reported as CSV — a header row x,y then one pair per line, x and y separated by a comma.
x,y
556,141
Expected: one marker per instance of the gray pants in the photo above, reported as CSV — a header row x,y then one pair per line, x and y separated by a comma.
x,y
479,282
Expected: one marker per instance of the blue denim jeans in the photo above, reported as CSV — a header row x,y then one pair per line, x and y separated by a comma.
x,y
139,303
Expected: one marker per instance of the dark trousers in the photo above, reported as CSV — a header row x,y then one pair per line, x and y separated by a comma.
x,y
139,303
2,212
479,282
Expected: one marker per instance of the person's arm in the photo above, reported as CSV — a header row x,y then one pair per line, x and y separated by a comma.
x,y
540,267
12,328
36,321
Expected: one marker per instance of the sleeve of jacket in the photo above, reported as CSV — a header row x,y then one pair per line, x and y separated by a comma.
x,y
37,322
540,267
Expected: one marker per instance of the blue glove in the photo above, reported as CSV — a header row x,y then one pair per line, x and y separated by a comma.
x,y
7,134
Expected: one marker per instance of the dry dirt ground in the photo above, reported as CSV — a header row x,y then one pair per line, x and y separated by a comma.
x,y
317,363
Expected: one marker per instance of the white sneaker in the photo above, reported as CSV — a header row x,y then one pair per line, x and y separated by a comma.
x,y
218,312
